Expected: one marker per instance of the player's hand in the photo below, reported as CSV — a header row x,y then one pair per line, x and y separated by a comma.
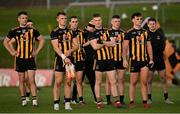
x,y
151,64
125,64
34,53
67,61
15,53
113,40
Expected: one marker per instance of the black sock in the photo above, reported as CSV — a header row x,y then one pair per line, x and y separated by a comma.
x,y
145,102
131,102
149,96
34,98
121,98
80,98
108,97
67,99
165,96
28,94
23,98
56,101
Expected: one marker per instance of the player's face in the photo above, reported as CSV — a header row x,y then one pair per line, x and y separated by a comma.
x,y
61,19
98,22
137,20
73,23
29,24
115,23
152,25
22,19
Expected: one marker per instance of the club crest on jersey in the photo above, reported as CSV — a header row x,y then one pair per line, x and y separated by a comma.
x,y
23,31
158,37
116,34
139,32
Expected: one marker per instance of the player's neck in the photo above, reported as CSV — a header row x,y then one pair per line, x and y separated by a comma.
x,y
137,27
62,26
152,30
115,28
21,25
98,28
73,29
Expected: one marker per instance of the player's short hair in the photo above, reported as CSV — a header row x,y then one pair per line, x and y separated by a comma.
x,y
73,17
61,13
115,17
152,19
22,13
96,15
136,14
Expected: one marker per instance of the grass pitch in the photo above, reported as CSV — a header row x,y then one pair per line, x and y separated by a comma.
x,y
10,102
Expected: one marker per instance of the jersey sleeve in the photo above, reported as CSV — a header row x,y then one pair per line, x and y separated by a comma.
x,y
148,36
36,34
11,34
54,35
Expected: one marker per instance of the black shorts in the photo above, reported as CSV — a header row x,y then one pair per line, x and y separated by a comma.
x,y
118,65
80,66
104,65
135,66
23,65
159,63
58,64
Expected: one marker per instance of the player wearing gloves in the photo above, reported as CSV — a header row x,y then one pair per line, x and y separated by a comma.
x,y
63,44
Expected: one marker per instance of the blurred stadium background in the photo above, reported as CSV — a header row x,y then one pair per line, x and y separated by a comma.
x,y
43,13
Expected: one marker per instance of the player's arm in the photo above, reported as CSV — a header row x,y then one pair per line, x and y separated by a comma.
x,y
111,43
58,51
75,46
40,45
149,49
124,53
87,43
96,45
8,44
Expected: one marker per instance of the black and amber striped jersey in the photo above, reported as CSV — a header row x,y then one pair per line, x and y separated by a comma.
x,y
79,55
25,38
119,37
104,53
65,38
137,44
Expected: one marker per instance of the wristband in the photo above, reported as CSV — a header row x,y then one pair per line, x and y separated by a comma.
x,y
63,56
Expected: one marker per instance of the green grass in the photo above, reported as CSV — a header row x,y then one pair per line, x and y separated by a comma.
x,y
10,102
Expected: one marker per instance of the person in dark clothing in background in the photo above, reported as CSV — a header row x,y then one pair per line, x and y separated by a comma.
x,y
158,45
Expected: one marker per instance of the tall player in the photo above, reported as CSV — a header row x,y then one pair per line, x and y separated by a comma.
x,y
139,45
64,44
104,61
24,37
118,34
79,58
